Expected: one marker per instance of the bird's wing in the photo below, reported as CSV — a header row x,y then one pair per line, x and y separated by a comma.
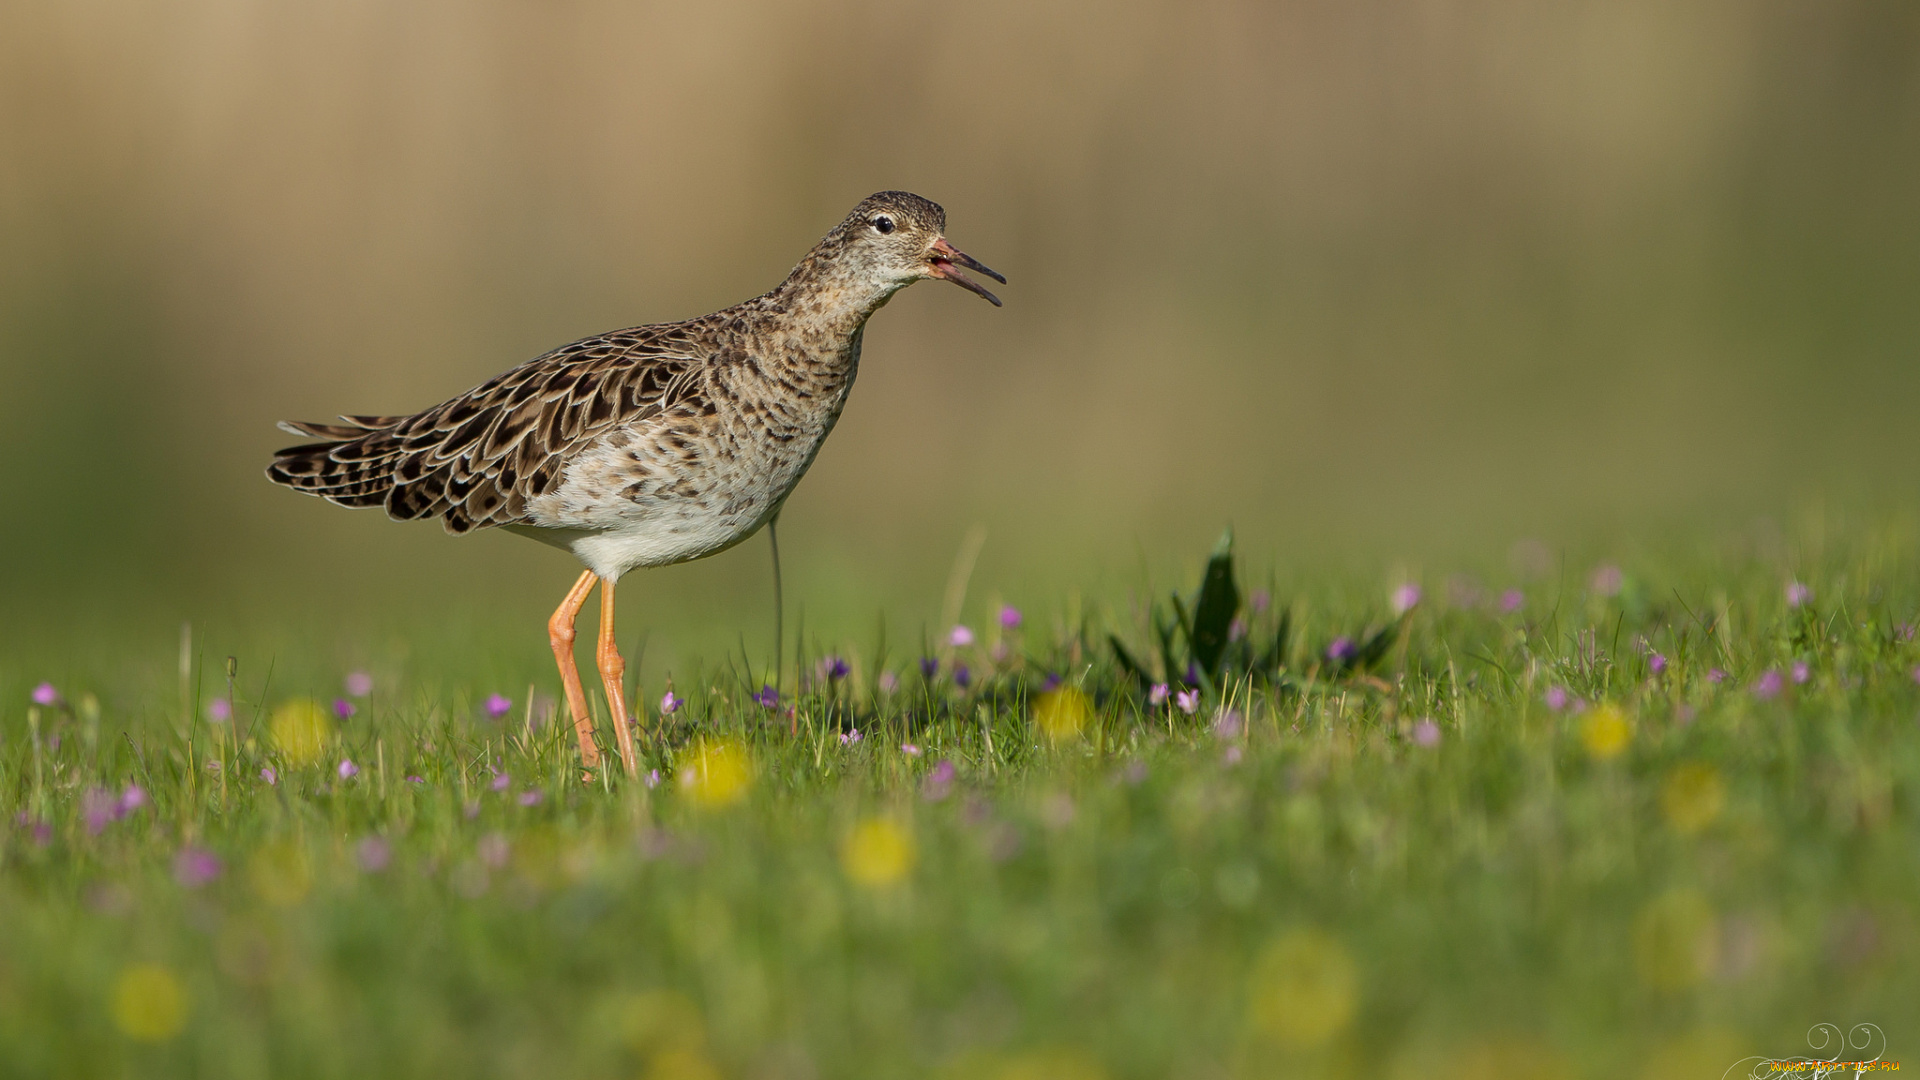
x,y
477,460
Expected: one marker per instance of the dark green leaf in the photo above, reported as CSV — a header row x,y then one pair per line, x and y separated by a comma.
x,y
1164,633
1213,611
1128,663
1374,648
1276,655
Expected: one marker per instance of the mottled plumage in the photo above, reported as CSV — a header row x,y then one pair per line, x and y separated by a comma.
x,y
679,439
650,445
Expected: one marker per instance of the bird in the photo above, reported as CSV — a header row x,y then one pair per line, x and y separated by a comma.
x,y
647,446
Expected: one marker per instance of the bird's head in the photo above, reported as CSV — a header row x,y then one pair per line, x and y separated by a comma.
x,y
898,238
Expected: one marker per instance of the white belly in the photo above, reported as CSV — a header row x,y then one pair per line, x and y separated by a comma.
x,y
610,553
619,507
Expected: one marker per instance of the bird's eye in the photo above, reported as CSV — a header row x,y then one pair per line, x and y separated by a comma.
x,y
882,224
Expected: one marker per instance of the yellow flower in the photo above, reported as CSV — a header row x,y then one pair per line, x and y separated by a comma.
x,y
1052,1064
878,852
1303,990
1605,731
149,1004
1701,1052
279,873
300,731
1505,1059
681,1065
1692,797
1675,943
715,773
1062,713
659,1022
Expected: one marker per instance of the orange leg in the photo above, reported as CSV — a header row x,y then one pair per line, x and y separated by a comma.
x,y
613,675
560,636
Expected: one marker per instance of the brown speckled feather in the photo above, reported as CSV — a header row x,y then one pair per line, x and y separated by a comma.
x,y
477,460
654,444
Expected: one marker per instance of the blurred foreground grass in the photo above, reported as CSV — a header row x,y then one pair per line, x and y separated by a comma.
x,y
1646,822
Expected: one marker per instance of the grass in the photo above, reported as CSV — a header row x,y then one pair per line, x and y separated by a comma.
x,y
1669,872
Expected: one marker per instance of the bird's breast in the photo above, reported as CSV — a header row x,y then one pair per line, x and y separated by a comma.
x,y
693,480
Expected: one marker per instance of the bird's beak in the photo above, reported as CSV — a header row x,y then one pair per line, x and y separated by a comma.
x,y
947,260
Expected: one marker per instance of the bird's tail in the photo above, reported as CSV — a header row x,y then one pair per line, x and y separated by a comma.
x,y
352,465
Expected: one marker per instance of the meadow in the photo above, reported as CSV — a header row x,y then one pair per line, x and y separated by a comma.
x,y
1655,819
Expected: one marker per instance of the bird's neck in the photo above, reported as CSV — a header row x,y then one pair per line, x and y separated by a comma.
x,y
826,298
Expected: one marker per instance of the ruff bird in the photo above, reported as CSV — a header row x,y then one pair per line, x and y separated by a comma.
x,y
646,446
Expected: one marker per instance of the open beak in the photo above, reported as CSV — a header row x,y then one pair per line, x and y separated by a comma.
x,y
947,261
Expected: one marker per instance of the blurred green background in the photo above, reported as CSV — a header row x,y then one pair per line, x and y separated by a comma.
x,y
1385,282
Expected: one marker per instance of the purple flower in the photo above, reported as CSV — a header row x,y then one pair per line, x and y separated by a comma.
x,y
45,694
1916,674
497,705
1556,698
1051,682
1797,594
1341,650
669,704
939,783
1227,725
1259,600
415,780
962,678
653,779
1656,663
99,809
1608,579
1906,631
1801,672
1236,629
502,781
1405,598
1187,700
530,797
1158,694
834,668
1192,676
1010,618
1715,675
194,867
1767,686
1426,733
889,682
269,776
348,770
219,710
1511,600
359,684
959,637
909,749
929,667
1232,756
848,738
767,697
373,854
343,709
132,798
